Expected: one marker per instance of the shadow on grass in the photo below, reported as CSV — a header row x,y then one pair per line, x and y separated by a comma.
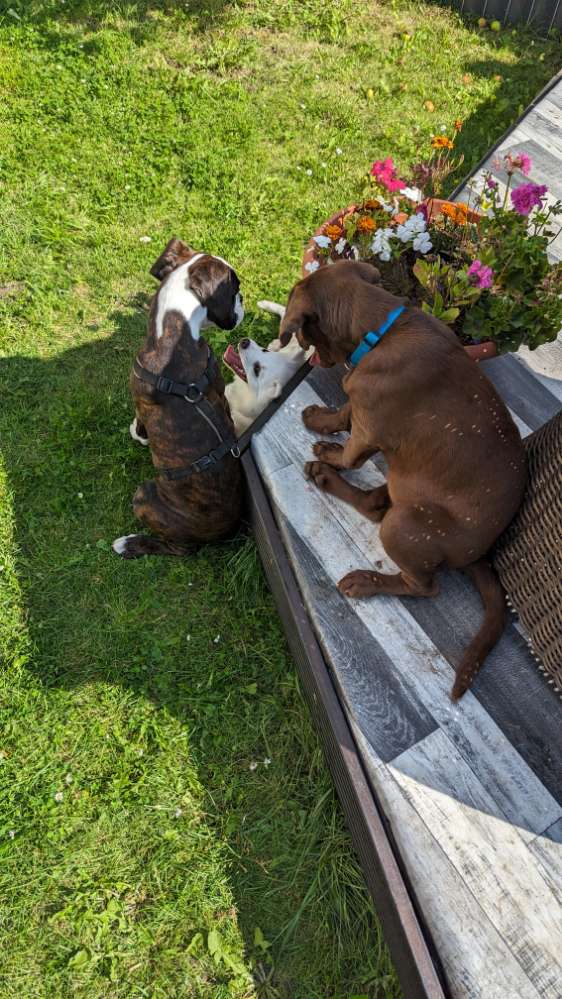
x,y
72,470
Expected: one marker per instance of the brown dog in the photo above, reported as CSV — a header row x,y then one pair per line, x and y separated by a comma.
x,y
456,465
181,411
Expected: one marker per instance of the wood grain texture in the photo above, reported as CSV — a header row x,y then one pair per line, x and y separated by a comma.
x,y
476,958
475,836
385,709
417,661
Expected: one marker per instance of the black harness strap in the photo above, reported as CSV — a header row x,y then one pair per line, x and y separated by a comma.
x,y
194,393
190,391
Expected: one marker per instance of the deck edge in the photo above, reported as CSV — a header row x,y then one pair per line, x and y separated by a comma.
x,y
414,955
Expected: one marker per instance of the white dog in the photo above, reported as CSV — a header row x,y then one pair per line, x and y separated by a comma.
x,y
260,373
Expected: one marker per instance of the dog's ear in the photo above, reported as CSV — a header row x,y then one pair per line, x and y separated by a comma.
x,y
298,312
175,253
368,272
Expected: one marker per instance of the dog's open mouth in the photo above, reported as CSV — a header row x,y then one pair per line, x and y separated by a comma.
x,y
314,358
232,359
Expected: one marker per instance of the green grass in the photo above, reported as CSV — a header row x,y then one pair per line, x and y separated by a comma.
x,y
145,692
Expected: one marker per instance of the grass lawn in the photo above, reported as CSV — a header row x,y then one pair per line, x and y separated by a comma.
x,y
167,824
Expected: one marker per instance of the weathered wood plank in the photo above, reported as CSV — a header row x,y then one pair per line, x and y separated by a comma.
x,y
522,392
548,850
516,789
459,811
386,710
477,960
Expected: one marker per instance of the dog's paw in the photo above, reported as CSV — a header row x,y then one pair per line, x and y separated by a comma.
x,y
328,452
322,475
123,547
360,583
315,419
134,429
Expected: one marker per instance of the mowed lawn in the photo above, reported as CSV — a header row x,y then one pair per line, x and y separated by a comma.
x,y
168,827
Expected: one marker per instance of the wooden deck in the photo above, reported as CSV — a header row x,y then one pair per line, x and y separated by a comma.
x,y
472,792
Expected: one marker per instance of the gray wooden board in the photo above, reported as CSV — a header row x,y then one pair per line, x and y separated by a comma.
x,y
472,793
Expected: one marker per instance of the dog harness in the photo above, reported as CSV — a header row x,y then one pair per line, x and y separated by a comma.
x,y
371,339
193,393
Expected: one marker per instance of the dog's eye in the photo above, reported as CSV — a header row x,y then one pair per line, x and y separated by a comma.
x,y
257,368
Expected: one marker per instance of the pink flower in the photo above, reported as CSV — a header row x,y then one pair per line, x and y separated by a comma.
x,y
385,172
518,161
480,275
491,184
528,196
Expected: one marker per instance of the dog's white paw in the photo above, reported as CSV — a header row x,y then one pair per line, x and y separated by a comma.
x,y
135,435
120,544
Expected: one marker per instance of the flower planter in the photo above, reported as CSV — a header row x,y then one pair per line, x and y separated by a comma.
x,y
477,351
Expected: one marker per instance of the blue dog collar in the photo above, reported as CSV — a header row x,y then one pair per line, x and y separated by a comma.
x,y
371,339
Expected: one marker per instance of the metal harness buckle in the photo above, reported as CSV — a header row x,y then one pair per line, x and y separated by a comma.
x,y
195,393
235,451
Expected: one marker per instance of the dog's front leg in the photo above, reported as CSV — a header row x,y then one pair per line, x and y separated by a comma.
x,y
323,420
352,454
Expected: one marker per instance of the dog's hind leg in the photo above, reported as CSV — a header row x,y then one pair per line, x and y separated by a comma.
x,y
409,540
163,519
372,503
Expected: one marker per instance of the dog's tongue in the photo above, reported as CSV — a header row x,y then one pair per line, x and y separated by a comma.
x,y
231,358
315,358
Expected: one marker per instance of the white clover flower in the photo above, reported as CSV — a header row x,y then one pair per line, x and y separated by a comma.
x,y
308,172
59,796
340,245
68,779
338,151
253,765
145,239
322,241
312,265
178,813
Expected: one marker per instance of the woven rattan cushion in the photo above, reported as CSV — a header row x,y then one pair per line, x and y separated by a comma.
x,y
528,555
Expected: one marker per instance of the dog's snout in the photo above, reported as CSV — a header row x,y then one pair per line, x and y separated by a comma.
x,y
244,344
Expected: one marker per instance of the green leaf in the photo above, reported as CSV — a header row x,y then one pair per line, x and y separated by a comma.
x,y
79,961
260,941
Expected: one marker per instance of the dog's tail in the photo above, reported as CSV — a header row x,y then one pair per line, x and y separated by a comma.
x,y
137,545
493,598
273,307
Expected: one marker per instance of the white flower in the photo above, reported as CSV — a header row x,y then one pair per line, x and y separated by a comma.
x,y
413,193
322,241
68,779
253,765
340,245
312,265
303,106
11,833
217,639
178,813
59,797
422,243
267,761
145,239
80,495
381,244
338,151
308,172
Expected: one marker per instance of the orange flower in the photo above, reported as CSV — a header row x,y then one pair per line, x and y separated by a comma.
x,y
366,224
458,125
333,232
459,212
441,142
371,205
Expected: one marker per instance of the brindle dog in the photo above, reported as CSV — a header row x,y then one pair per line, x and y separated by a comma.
x,y
194,499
